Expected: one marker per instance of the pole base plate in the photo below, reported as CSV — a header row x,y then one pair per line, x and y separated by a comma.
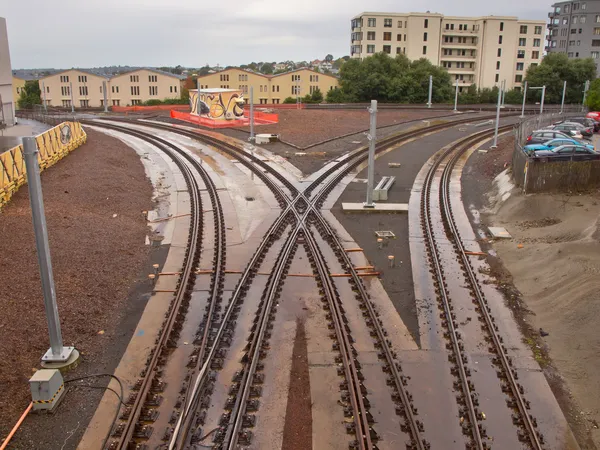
x,y
64,355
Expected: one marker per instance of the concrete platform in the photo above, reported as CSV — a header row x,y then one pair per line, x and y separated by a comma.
x,y
379,207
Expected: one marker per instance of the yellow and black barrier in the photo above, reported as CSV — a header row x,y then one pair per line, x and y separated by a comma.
x,y
53,145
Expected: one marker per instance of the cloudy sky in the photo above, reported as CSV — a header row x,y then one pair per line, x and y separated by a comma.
x,y
88,33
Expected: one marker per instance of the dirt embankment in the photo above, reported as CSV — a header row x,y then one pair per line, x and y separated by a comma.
x,y
94,200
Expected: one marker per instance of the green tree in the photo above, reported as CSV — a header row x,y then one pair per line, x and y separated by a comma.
x,y
317,96
335,95
30,95
513,97
592,100
289,100
267,68
470,96
329,58
554,70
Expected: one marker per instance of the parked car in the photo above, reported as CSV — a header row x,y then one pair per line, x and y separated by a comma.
x,y
573,151
576,130
585,121
541,136
553,143
594,115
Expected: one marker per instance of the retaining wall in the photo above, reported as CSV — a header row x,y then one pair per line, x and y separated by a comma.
x,y
53,145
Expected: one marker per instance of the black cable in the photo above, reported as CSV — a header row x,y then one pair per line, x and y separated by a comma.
x,y
120,398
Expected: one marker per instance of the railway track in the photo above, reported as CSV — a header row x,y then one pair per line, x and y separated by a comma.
x,y
145,402
472,416
301,212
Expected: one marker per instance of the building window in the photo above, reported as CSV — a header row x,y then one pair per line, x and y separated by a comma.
x,y
424,37
501,26
84,103
135,90
565,21
574,21
523,29
497,65
537,42
570,54
425,48
519,66
520,54
152,78
426,23
370,49
66,103
153,90
398,50
595,42
580,30
387,23
134,78
497,77
136,102
537,30
566,9
595,55
553,44
500,39
370,35
582,19
116,102
371,22
83,90
522,42
583,5
399,38
571,43
518,78
387,36
499,52
387,49
399,24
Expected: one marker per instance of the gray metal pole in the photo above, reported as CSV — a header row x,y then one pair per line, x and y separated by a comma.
x,y
562,103
430,90
105,96
585,89
72,101
372,139
44,96
495,144
503,91
56,353
251,114
456,98
542,102
524,99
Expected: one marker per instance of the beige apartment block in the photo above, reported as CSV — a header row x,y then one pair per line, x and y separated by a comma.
x,y
135,87
126,89
480,50
17,87
87,89
270,89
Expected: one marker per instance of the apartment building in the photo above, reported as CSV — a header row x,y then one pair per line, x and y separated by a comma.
x,y
86,89
480,50
7,103
270,89
574,29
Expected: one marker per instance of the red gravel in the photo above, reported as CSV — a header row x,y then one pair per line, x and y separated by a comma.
x,y
96,260
305,127
297,432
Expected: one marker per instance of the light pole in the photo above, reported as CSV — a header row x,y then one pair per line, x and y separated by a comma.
x,y
585,89
456,98
495,144
542,102
72,101
57,352
430,90
371,169
503,92
562,103
524,99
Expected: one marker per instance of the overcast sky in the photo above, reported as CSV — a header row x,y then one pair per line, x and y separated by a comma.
x,y
88,33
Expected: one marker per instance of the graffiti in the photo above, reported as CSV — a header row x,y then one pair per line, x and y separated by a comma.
x,y
220,104
65,134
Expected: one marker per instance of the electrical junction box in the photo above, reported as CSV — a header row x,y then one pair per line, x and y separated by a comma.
x,y
47,387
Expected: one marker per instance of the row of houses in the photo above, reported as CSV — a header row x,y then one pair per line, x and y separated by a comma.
x,y
85,89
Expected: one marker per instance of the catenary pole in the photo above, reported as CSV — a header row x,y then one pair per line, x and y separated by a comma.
x,y
430,90
524,99
57,352
456,98
562,103
495,144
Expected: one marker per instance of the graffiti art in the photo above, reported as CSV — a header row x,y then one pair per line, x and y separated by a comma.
x,y
226,104
65,134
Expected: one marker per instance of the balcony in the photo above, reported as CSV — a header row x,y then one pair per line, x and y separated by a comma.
x,y
460,32
467,45
461,70
458,58
356,29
